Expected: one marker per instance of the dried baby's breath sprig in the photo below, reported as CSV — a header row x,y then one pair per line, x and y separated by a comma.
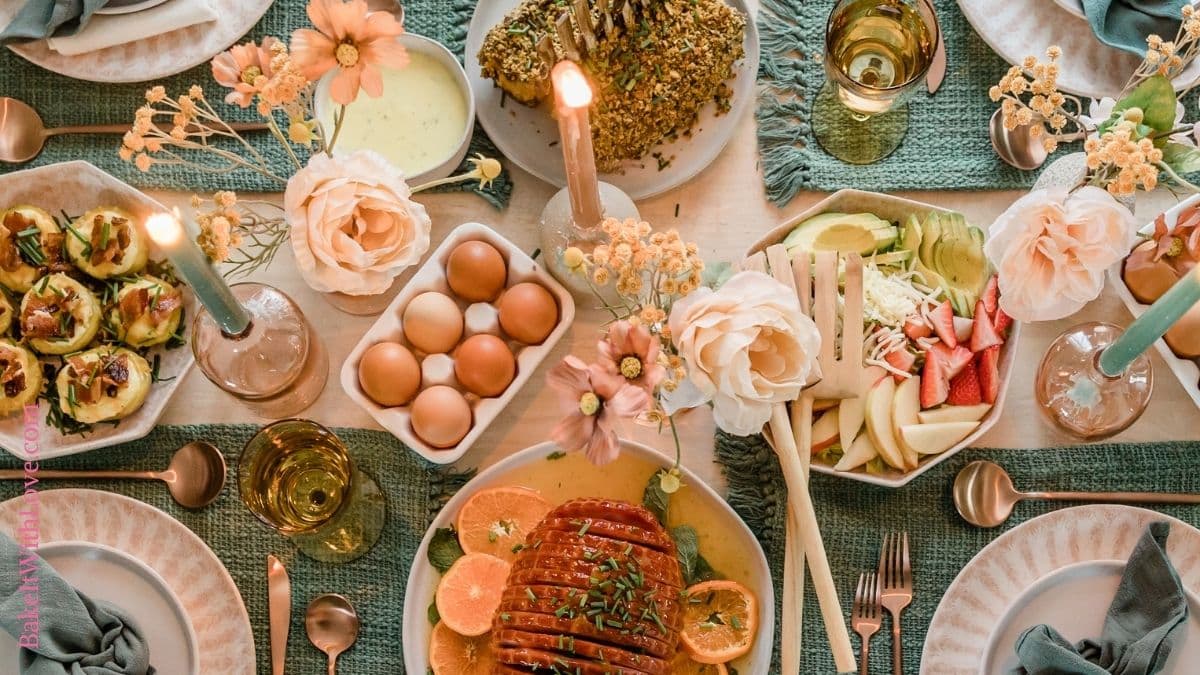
x,y
245,234
1121,162
1028,95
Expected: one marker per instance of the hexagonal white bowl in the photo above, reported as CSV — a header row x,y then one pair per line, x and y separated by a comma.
x,y
895,209
75,187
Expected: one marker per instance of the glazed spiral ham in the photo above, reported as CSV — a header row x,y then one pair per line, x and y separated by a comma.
x,y
595,591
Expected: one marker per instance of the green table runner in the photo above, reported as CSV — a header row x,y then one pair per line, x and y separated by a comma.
x,y
947,145
62,101
854,516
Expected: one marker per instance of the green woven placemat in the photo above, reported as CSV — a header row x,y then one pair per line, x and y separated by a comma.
x,y
854,517
375,583
947,145
63,101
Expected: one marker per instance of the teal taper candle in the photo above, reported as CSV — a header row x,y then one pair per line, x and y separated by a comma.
x,y
193,267
1152,325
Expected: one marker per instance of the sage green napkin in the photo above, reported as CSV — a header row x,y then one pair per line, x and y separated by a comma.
x,y
1142,624
43,18
75,634
1125,24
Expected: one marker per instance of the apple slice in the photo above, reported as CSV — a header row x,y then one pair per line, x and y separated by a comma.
x,y
861,451
852,411
954,413
825,431
879,422
934,439
905,406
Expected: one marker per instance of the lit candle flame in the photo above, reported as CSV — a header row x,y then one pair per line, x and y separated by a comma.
x,y
165,229
571,85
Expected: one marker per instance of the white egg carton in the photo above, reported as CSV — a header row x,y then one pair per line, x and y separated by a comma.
x,y
432,277
1186,370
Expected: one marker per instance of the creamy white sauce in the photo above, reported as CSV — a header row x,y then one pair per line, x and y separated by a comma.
x,y
416,124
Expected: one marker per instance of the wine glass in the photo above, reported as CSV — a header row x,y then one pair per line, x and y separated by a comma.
x,y
298,478
876,53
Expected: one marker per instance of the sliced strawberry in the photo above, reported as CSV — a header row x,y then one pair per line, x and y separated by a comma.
x,y
916,328
991,296
964,389
989,373
942,319
1002,322
935,386
984,334
901,359
953,360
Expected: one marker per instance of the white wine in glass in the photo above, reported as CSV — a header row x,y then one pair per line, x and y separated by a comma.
x,y
876,53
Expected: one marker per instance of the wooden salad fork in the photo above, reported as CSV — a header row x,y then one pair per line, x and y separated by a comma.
x,y
896,572
866,616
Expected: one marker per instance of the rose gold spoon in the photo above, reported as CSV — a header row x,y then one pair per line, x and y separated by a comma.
x,y
23,134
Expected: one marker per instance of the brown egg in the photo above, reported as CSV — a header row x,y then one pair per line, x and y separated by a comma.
x,y
476,271
1184,336
441,416
1146,277
389,374
484,365
528,313
433,323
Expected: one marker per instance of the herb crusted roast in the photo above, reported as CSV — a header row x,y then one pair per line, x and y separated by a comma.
x,y
595,590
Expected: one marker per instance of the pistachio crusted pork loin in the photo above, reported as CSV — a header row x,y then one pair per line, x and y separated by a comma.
x,y
595,591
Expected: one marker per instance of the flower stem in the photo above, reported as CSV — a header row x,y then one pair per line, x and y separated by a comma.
x,y
1177,178
675,435
447,181
278,133
339,116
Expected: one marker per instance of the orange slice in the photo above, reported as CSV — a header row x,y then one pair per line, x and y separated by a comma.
x,y
469,593
496,521
454,654
719,621
683,664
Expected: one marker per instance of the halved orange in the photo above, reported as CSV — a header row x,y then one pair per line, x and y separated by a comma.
x,y
454,654
469,593
720,619
683,664
495,521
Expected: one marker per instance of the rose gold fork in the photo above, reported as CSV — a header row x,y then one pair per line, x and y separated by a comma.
x,y
896,571
866,615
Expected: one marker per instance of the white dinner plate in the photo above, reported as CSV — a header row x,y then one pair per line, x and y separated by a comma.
x,y
192,572
524,135
724,539
1074,600
129,6
152,58
1015,29
104,573
1041,563
1075,7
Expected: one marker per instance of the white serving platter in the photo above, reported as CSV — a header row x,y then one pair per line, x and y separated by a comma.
x,y
73,188
1185,370
524,134
517,469
431,277
896,209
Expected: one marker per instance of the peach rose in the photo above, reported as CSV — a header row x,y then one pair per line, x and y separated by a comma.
x,y
1051,249
747,347
353,226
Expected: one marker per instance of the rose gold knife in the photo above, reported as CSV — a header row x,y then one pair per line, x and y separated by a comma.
x,y
937,69
279,607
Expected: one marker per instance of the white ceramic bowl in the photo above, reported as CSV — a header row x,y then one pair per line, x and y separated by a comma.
x,y
1186,370
423,45
423,578
896,209
75,187
432,277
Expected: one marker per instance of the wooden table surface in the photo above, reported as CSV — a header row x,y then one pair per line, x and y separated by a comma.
x,y
723,210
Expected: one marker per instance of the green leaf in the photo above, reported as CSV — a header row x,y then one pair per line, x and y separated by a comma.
x,y
687,548
715,274
557,454
1181,158
655,498
1156,97
444,549
433,614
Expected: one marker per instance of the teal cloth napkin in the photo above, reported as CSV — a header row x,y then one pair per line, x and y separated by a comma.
x,y
1125,24
43,18
1142,623
76,635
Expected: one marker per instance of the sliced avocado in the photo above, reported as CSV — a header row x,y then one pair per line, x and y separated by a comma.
x,y
910,235
898,257
931,232
862,233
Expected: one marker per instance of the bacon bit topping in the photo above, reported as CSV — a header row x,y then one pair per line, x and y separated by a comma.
x,y
15,221
140,300
12,376
52,246
99,377
109,239
134,303
41,316
10,256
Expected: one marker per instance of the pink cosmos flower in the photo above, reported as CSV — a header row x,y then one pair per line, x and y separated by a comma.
x,y
241,68
630,351
355,41
596,399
